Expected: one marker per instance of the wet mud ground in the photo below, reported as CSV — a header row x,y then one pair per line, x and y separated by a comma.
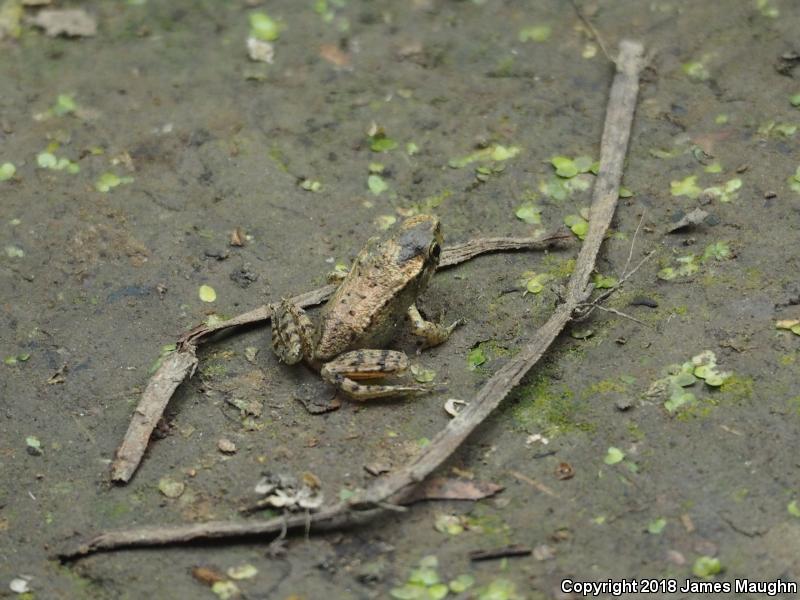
x,y
98,282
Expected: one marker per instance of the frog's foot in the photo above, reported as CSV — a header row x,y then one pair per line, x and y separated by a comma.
x,y
336,277
292,332
345,371
433,333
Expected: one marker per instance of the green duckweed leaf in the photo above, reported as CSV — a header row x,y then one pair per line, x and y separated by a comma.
x,y
65,104
535,33
463,582
696,70
706,567
108,181
449,524
604,282
207,293
717,251
385,222
422,375
613,456
475,358
530,213
379,142
578,225
311,185
7,171
376,184
657,526
265,28
685,187
495,152
565,166
46,160
409,591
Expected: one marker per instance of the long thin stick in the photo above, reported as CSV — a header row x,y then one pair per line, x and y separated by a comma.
x,y
619,116
181,364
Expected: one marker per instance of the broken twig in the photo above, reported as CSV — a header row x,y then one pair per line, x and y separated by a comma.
x,y
391,488
504,552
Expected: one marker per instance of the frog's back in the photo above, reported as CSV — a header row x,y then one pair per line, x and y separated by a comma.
x,y
368,306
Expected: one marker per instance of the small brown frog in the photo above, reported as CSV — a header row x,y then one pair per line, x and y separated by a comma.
x,y
364,312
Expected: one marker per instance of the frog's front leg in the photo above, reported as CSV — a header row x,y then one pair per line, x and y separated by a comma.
x,y
292,332
433,333
344,372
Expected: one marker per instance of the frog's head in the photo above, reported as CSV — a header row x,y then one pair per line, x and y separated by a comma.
x,y
420,236
419,244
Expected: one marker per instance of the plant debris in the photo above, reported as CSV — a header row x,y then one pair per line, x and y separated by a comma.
x,y
66,22
448,488
226,446
695,217
284,492
171,488
792,325
502,552
671,388
260,50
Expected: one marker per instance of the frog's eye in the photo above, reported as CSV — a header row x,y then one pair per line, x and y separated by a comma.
x,y
435,250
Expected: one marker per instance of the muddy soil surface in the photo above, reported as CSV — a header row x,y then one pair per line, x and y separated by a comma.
x,y
200,140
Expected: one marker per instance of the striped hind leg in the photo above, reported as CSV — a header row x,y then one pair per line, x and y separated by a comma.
x,y
346,370
292,333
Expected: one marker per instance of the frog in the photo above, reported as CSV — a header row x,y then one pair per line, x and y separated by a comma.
x,y
347,344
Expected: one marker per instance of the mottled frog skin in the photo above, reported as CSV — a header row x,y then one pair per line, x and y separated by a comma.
x,y
364,313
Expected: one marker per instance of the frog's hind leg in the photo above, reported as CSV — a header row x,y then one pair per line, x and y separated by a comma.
x,y
433,333
292,332
345,371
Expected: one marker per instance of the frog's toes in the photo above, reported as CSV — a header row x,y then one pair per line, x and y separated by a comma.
x,y
432,333
292,332
360,391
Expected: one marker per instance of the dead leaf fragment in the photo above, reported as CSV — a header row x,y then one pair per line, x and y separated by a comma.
x,y
695,217
237,237
544,552
207,575
565,471
260,51
454,406
377,468
448,488
67,22
334,55
59,376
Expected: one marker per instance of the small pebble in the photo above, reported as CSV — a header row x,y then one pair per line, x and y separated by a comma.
x,y
226,446
623,404
544,552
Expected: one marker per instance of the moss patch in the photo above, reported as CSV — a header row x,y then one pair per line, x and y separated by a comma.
x,y
540,405
736,389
